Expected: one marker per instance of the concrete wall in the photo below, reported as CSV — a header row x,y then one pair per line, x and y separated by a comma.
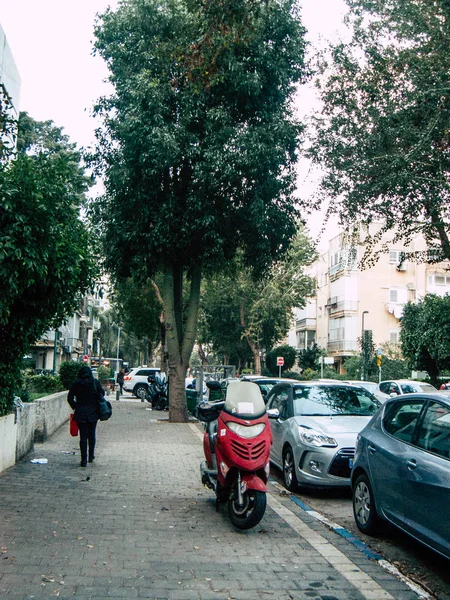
x,y
51,412
8,437
26,418
35,422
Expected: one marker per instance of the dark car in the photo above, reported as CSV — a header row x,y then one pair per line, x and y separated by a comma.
x,y
401,471
314,427
265,384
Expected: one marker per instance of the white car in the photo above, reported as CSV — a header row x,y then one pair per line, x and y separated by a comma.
x,y
136,380
391,388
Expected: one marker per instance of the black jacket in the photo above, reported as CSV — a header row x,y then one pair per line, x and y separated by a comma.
x,y
83,397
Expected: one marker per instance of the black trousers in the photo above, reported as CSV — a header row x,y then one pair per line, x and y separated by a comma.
x,y
87,437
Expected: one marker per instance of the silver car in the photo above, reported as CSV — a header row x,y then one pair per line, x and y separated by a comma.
x,y
402,469
390,388
314,427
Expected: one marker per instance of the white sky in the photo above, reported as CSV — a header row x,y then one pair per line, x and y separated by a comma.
x,y
51,44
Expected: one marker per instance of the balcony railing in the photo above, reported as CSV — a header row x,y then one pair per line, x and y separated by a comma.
x,y
343,306
343,346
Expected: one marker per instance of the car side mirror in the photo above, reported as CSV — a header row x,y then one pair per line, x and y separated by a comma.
x,y
273,413
393,394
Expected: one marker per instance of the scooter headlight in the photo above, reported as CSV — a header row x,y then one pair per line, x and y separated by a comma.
x,y
246,431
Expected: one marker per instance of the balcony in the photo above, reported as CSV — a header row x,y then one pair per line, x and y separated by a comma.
x,y
305,324
341,306
343,346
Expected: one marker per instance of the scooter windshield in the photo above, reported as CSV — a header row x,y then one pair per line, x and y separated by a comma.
x,y
244,399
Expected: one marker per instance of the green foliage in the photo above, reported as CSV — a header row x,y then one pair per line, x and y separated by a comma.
x,y
382,136
45,257
104,373
293,375
68,372
308,358
309,374
425,334
44,383
287,352
241,313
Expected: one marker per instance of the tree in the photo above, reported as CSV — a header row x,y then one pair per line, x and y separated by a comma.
x,y
259,311
383,135
45,255
308,358
197,148
425,334
285,351
139,308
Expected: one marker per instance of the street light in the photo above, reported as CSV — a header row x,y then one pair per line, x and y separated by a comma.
x,y
365,312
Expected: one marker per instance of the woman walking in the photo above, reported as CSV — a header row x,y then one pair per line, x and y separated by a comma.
x,y
83,397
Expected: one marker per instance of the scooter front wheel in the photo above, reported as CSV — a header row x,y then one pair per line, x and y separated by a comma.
x,y
251,512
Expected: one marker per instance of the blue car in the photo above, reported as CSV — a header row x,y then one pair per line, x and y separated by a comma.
x,y
401,471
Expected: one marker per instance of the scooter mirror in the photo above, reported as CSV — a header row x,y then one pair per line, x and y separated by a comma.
x,y
273,413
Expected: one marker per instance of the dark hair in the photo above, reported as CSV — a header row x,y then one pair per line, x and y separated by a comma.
x,y
85,373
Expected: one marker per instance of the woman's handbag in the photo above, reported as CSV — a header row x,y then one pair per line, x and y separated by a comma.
x,y
105,409
73,426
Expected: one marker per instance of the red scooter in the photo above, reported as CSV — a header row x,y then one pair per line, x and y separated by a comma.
x,y
236,444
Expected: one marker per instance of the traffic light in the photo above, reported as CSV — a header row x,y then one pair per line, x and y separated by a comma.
x,y
379,360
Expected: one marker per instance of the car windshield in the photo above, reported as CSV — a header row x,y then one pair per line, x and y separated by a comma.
x,y
323,400
412,388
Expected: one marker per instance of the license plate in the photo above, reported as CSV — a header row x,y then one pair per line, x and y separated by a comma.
x,y
350,463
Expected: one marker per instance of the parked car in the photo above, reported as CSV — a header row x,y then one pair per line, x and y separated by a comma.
x,y
401,471
387,389
265,384
314,428
136,381
370,386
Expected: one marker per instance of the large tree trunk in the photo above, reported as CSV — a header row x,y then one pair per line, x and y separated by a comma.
x,y
254,346
180,335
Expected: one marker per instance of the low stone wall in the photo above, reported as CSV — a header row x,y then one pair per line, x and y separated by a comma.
x,y
8,437
26,419
51,412
33,422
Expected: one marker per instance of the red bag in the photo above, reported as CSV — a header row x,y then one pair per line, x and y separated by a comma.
x,y
73,426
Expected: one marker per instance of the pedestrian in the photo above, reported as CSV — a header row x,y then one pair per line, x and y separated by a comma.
x,y
83,397
120,380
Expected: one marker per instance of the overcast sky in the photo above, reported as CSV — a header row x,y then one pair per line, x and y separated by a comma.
x,y
51,41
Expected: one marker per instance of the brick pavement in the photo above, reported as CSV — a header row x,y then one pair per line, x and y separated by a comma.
x,y
138,524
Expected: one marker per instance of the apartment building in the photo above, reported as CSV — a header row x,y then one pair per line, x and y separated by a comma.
x,y
349,298
9,94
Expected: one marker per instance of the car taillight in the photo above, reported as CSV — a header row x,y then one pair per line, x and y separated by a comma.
x,y
127,378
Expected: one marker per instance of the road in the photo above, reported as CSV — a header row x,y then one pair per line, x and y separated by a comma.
x,y
425,567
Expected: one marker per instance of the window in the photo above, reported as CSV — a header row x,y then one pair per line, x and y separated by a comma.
x,y
394,336
396,257
434,432
439,280
280,401
393,295
401,419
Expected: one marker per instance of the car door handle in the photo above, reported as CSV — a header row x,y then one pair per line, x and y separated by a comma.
x,y
411,464
372,449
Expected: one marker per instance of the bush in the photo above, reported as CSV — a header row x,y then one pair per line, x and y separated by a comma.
x,y
293,375
43,383
287,352
104,373
68,372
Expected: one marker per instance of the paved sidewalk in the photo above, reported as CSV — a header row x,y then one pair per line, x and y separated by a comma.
x,y
138,524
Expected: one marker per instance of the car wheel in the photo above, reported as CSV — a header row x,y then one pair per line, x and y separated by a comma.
x,y
140,390
289,476
364,510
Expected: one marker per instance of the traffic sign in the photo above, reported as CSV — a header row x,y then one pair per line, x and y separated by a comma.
x,y
280,361
86,358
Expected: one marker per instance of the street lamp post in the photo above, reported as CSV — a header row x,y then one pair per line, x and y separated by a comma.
x,y
363,361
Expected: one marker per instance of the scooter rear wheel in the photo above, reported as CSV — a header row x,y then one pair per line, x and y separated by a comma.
x,y
252,511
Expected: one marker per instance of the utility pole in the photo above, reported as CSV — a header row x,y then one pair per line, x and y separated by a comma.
x,y
363,341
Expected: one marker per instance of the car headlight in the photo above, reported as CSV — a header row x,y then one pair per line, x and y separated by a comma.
x,y
310,437
246,431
